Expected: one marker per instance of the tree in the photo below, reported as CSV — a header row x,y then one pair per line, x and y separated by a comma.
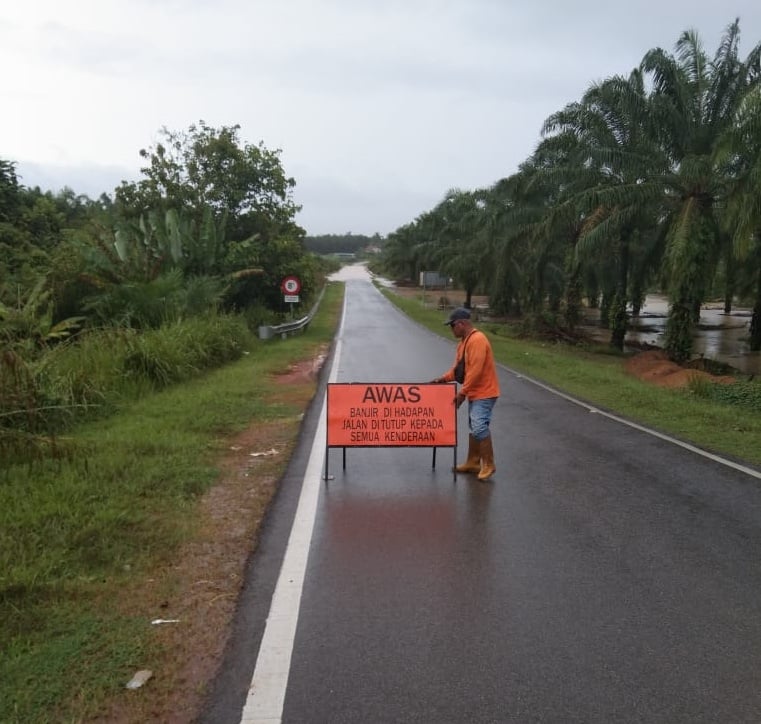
x,y
614,148
740,152
205,167
9,191
558,172
399,257
457,245
526,255
694,105
507,245
214,181
30,226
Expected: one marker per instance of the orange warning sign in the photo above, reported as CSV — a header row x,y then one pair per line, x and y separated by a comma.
x,y
391,415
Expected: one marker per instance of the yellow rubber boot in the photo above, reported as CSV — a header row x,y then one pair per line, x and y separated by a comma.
x,y
473,463
488,468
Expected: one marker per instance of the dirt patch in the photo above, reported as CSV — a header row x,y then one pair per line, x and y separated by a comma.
x,y
303,371
201,589
655,367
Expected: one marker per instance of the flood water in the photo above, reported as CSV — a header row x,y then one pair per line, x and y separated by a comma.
x,y
721,337
718,336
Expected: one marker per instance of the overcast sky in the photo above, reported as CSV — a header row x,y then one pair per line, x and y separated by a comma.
x,y
379,106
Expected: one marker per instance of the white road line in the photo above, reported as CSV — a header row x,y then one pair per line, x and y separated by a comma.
x,y
641,428
266,694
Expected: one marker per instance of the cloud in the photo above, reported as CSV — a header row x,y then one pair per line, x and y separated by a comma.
x,y
89,180
394,101
331,206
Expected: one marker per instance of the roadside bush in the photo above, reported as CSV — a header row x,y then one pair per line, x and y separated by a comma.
x,y
83,370
179,351
23,424
257,315
743,393
93,374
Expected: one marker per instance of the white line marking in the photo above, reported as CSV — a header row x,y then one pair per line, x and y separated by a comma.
x,y
641,428
266,694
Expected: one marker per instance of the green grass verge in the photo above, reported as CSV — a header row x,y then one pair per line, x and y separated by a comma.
x,y
597,376
75,532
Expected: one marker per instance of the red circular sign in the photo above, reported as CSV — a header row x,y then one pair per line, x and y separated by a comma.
x,y
291,285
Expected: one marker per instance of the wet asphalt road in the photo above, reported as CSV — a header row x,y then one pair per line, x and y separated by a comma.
x,y
605,575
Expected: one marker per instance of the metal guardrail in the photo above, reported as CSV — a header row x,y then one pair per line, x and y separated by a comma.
x,y
268,331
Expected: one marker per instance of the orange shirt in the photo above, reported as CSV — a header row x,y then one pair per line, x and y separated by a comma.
x,y
481,381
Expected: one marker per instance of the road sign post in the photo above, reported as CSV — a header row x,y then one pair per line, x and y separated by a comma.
x,y
291,286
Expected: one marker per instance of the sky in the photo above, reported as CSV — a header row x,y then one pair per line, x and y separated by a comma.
x,y
378,107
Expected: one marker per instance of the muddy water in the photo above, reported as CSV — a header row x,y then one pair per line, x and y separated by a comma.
x,y
719,336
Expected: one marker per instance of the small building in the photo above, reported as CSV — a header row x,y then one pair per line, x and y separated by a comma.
x,y
433,280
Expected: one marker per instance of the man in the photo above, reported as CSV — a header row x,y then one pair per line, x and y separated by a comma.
x,y
479,386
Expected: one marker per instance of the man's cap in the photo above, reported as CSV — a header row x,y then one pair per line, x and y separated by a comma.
x,y
457,314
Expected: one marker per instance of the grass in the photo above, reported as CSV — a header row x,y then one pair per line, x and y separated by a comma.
x,y
715,421
78,534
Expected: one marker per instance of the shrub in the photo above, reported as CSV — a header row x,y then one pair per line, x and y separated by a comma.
x,y
92,374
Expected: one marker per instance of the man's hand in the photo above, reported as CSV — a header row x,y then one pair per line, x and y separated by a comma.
x,y
437,381
460,399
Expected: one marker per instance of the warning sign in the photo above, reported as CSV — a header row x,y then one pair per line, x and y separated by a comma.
x,y
290,285
391,415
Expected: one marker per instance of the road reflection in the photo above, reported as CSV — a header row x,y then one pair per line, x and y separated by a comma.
x,y
441,531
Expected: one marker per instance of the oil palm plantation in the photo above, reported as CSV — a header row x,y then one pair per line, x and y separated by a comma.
x,y
562,172
508,246
614,151
656,157
463,250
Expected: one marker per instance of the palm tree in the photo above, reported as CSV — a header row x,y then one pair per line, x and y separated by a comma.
x,y
694,103
463,249
613,149
740,152
526,250
507,245
562,173
397,258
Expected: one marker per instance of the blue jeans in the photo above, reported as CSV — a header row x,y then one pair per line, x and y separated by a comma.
x,y
479,417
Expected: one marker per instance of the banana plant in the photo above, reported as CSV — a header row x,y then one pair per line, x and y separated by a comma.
x,y
32,319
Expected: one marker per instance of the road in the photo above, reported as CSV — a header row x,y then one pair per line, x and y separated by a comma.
x,y
605,575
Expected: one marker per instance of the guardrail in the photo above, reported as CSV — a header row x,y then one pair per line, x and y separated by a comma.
x,y
269,331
